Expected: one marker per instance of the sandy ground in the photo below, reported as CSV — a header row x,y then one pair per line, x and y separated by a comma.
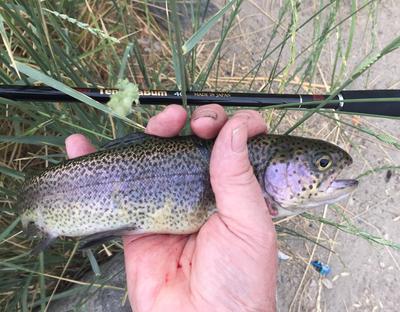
x,y
364,276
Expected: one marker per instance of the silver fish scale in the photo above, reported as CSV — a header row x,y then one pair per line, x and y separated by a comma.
x,y
140,188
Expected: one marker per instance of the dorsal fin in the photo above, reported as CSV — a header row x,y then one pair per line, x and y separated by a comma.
x,y
129,139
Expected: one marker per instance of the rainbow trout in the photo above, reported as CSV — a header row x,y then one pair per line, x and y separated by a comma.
x,y
146,184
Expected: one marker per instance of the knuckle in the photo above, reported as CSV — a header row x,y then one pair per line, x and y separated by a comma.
x,y
212,106
247,113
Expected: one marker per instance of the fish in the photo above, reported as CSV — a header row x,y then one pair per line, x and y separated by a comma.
x,y
142,184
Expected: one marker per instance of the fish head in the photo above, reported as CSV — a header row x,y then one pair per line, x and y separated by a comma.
x,y
303,175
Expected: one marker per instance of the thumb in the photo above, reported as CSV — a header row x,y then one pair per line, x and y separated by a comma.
x,y
238,195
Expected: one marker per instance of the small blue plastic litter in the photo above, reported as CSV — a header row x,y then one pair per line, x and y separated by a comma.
x,y
321,268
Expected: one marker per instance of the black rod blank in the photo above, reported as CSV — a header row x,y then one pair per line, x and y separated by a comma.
x,y
376,102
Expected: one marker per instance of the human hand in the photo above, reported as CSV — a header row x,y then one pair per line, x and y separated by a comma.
x,y
231,263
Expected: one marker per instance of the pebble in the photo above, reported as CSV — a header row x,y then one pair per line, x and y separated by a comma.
x,y
282,256
327,283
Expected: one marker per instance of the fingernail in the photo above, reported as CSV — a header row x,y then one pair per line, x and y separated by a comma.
x,y
239,138
204,113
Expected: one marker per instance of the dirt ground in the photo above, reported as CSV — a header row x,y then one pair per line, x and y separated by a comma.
x,y
365,277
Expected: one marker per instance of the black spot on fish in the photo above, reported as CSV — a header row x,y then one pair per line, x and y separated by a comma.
x,y
310,187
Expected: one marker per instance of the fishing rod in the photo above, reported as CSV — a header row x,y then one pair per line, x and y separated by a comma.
x,y
374,102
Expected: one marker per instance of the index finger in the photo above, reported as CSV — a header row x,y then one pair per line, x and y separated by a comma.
x,y
208,120
168,123
78,145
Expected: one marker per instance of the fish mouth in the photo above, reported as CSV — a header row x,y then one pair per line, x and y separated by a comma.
x,y
337,190
347,186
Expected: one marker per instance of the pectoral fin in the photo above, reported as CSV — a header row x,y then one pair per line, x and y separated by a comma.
x,y
43,244
100,238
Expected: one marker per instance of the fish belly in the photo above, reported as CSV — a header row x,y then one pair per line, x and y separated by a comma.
x,y
173,204
160,186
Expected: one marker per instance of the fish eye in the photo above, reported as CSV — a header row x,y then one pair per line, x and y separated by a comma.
x,y
324,163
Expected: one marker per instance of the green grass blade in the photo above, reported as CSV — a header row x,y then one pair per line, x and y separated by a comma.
x,y
84,26
34,139
204,29
141,63
9,229
376,170
12,173
204,74
361,68
124,61
350,228
283,42
274,33
42,282
7,43
176,43
39,76
387,139
282,229
93,262
25,293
